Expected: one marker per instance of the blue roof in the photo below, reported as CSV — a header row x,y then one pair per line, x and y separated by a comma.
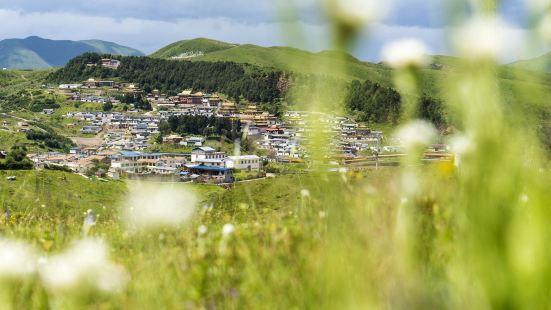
x,y
130,154
208,168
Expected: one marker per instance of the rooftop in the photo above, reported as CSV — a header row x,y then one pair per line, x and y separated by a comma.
x,y
204,149
244,157
207,168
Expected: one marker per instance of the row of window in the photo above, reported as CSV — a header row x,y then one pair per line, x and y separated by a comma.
x,y
244,162
217,156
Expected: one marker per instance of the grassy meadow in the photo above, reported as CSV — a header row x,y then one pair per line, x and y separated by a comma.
x,y
271,219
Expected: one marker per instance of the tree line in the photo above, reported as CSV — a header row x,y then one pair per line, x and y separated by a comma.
x,y
49,138
16,159
373,103
202,125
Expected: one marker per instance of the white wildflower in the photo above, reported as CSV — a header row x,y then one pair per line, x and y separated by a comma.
x,y
41,260
322,214
228,229
523,198
85,264
202,230
243,206
461,144
152,206
17,259
304,193
207,207
358,12
416,133
482,37
406,53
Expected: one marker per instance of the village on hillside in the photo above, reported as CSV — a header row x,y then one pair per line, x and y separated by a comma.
x,y
179,136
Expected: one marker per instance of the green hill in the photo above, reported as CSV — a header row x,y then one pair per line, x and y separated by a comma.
x,y
277,57
292,59
541,64
330,63
191,48
39,53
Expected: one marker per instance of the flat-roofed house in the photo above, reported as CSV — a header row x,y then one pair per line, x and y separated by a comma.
x,y
244,162
193,141
206,153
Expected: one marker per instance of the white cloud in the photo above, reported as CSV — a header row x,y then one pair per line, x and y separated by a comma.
x,y
437,39
150,34
148,9
146,35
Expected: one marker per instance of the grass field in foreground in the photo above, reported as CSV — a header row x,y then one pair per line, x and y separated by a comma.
x,y
47,209
273,254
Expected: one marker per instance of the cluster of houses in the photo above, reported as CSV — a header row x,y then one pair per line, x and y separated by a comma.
x,y
69,89
282,140
96,91
203,164
286,140
352,138
122,131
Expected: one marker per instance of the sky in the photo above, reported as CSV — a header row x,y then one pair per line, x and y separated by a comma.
x,y
151,24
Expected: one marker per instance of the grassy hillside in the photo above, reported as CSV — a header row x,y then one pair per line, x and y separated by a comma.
x,y
18,89
296,60
540,64
441,71
188,48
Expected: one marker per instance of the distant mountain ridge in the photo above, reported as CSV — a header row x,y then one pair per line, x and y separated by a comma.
x,y
38,53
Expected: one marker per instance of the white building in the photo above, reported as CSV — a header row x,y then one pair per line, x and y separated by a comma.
x,y
70,86
193,141
206,153
244,162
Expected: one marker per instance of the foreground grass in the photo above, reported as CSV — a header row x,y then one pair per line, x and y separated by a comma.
x,y
275,258
300,241
173,268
